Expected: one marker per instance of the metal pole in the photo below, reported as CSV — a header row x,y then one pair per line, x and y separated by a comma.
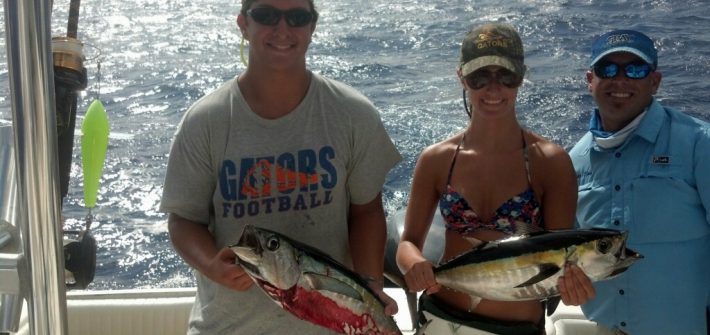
x,y
32,86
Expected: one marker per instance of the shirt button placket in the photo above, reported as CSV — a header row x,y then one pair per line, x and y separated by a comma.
x,y
617,222
618,215
617,195
624,306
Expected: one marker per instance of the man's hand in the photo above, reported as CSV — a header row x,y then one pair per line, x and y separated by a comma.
x,y
575,287
390,304
224,270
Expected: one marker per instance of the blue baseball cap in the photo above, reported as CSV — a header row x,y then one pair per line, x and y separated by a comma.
x,y
630,41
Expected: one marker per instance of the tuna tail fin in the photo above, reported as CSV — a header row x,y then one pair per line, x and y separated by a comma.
x,y
551,304
546,271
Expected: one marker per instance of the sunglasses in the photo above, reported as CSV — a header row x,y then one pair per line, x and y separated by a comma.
x,y
480,78
270,16
633,70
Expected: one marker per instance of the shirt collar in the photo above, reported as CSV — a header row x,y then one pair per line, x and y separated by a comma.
x,y
648,128
651,124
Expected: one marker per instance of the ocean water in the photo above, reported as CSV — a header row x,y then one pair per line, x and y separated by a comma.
x,y
148,60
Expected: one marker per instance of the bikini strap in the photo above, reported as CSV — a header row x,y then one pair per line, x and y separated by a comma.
x,y
525,156
453,161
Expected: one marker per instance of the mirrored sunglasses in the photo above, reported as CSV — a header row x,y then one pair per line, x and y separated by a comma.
x,y
633,70
270,16
480,78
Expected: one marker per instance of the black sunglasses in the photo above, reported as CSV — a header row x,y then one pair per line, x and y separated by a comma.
x,y
480,78
270,16
634,70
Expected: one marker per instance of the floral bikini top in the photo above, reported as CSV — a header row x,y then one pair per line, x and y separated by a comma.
x,y
518,215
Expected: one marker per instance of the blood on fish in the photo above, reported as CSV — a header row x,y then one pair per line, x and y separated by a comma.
x,y
316,308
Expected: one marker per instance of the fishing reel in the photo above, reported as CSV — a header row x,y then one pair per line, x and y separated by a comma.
x,y
69,79
79,257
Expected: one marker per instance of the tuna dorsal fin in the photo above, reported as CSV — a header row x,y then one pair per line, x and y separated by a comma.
x,y
475,243
546,270
324,283
551,304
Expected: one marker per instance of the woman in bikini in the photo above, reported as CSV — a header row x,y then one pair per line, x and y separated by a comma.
x,y
493,180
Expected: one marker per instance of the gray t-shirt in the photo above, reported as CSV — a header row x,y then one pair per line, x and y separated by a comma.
x,y
297,175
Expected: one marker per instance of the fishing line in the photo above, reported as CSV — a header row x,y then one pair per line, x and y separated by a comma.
x,y
98,80
97,59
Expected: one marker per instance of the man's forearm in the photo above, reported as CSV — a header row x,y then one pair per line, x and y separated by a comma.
x,y
192,241
368,235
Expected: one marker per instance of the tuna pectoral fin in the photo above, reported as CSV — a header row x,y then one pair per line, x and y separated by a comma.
x,y
546,270
321,282
551,304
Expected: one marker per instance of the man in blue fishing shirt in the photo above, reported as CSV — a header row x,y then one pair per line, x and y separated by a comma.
x,y
645,168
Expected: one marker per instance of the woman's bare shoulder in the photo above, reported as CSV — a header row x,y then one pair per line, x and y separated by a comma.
x,y
544,148
434,161
548,159
443,149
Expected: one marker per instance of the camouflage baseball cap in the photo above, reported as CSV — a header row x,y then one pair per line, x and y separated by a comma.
x,y
492,44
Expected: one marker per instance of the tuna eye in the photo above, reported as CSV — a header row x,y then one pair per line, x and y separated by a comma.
x,y
604,245
272,244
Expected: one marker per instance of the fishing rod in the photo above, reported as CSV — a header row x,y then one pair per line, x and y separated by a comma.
x,y
70,78
73,21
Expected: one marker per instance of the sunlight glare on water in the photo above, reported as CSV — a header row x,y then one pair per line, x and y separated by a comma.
x,y
158,57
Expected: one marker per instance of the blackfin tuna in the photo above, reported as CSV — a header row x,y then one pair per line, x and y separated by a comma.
x,y
311,285
528,267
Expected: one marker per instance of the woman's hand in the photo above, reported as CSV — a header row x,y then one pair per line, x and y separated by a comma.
x,y
420,277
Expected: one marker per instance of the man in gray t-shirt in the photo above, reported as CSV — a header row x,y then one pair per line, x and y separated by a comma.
x,y
282,148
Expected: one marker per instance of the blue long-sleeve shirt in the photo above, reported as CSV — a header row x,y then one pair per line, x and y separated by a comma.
x,y
657,186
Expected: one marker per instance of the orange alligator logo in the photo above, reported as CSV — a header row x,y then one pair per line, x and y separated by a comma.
x,y
261,175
